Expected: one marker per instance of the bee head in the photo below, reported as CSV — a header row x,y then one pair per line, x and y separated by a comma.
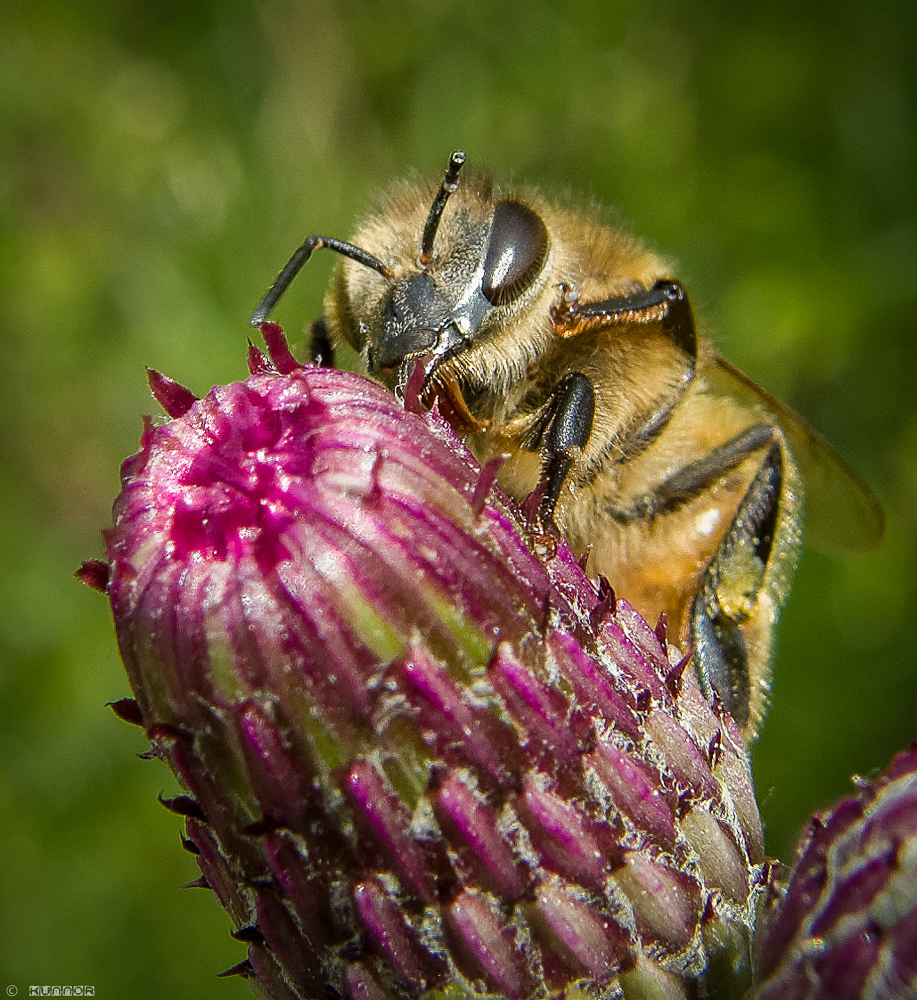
x,y
479,263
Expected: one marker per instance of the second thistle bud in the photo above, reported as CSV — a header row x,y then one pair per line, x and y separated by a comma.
x,y
844,926
421,760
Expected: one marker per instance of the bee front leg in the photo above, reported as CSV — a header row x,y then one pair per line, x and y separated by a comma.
x,y
561,433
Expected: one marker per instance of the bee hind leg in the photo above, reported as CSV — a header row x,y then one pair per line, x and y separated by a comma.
x,y
734,614
693,479
732,618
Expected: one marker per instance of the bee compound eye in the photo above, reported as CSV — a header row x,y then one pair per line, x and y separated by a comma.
x,y
516,254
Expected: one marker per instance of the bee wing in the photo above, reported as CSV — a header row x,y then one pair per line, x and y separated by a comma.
x,y
842,514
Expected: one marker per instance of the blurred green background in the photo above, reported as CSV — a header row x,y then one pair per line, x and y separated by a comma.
x,y
158,163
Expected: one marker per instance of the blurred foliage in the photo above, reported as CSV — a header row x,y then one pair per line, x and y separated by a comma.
x,y
158,162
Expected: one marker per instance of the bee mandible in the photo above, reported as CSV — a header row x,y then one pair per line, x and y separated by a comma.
x,y
552,337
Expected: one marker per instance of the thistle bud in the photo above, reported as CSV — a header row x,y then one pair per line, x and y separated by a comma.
x,y
423,754
844,926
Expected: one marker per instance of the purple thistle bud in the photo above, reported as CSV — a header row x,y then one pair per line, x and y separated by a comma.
x,y
844,925
417,757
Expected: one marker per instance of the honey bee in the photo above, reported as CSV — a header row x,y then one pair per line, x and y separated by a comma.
x,y
553,338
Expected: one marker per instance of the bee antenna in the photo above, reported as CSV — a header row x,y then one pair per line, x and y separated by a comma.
x,y
449,184
295,265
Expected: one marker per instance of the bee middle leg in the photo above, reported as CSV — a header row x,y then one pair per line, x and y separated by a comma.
x,y
561,433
